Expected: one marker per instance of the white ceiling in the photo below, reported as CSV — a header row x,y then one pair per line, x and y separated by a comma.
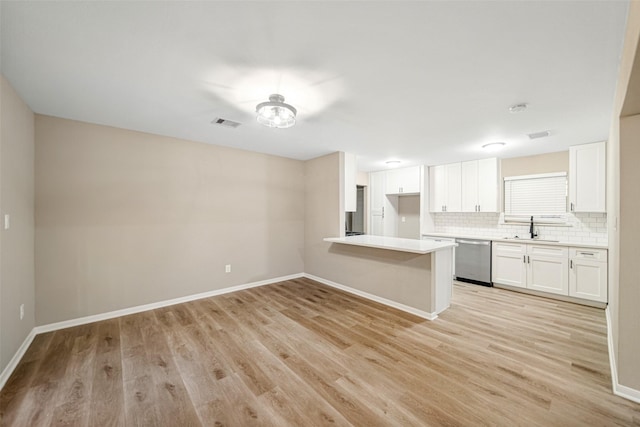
x,y
422,82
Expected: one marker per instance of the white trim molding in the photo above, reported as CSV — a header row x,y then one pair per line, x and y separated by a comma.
x,y
6,373
13,363
152,306
387,302
618,389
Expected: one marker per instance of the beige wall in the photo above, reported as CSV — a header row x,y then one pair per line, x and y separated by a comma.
x,y
623,157
398,276
529,165
409,209
629,289
16,199
126,218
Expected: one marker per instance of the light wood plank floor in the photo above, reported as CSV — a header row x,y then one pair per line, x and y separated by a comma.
x,y
299,353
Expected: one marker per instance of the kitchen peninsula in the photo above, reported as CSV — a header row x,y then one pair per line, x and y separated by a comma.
x,y
417,274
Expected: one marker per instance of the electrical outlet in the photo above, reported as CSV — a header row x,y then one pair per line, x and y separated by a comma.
x,y
404,219
227,268
21,311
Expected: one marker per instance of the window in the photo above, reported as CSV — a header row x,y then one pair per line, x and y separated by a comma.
x,y
542,196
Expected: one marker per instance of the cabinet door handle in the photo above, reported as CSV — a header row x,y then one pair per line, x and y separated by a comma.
x,y
571,263
572,208
528,259
587,253
524,259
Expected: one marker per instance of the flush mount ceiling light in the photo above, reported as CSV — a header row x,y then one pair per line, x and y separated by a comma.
x,y
275,113
392,162
518,108
494,146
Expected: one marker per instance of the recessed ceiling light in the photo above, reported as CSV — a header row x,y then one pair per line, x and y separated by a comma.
x,y
518,108
392,163
494,146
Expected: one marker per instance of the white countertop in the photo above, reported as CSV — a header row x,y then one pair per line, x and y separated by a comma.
x,y
392,243
528,241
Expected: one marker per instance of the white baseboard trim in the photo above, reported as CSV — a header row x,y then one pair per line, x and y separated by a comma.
x,y
618,389
146,307
6,373
13,363
408,309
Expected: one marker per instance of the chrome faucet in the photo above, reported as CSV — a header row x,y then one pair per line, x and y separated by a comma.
x,y
531,229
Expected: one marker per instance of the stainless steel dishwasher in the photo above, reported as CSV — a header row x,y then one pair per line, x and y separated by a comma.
x,y
473,261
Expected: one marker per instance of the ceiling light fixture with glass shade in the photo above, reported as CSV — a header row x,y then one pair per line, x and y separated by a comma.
x,y
275,113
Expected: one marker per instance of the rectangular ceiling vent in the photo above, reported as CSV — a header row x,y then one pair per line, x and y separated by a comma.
x,y
225,122
537,135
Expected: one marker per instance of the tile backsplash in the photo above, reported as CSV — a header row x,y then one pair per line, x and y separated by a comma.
x,y
588,228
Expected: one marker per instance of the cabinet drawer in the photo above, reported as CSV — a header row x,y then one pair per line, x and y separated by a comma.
x,y
590,254
509,248
548,251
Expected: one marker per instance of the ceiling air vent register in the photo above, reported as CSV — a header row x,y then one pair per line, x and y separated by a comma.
x,y
224,122
537,135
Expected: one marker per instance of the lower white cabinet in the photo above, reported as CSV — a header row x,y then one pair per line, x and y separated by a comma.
x,y
588,274
548,269
453,250
569,271
508,264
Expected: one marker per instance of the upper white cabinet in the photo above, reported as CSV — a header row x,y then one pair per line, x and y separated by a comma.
x,y
377,203
480,185
445,188
403,181
464,187
350,188
587,177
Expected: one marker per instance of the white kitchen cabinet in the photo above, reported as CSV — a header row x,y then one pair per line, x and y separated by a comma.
x,y
350,188
437,188
508,264
587,177
548,269
403,181
537,267
588,274
377,203
479,189
383,209
453,249
445,187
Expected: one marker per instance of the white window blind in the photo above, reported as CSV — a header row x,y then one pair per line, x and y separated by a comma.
x,y
542,196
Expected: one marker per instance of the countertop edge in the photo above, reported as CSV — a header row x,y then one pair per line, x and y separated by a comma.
x,y
354,242
525,241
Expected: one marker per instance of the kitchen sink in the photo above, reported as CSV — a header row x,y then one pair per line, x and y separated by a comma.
x,y
527,239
